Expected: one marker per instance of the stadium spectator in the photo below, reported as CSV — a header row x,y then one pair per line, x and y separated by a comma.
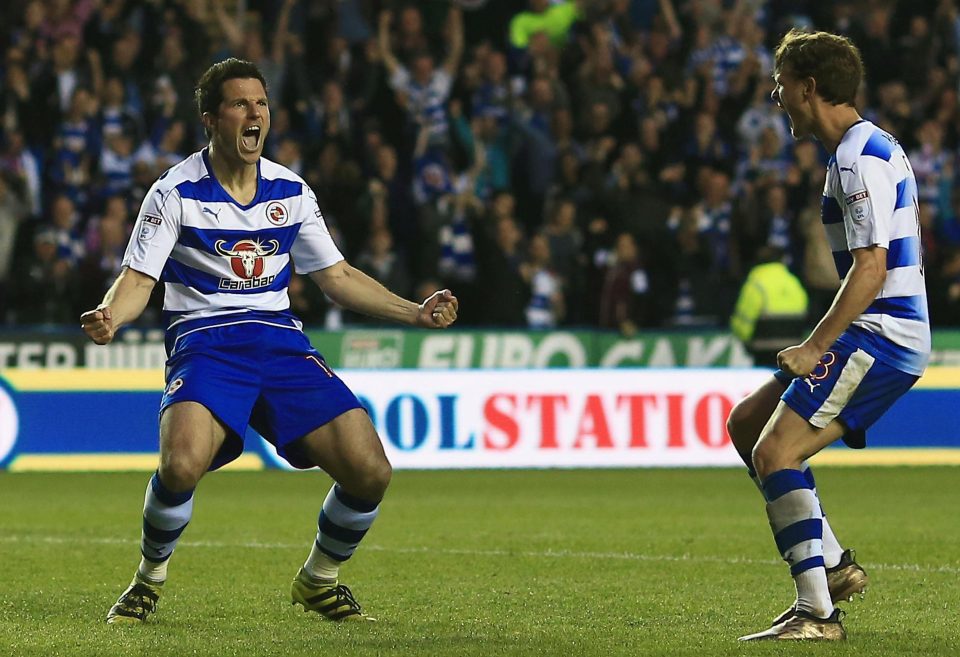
x,y
494,95
104,259
246,38
382,262
77,143
626,293
114,209
163,150
115,116
499,258
929,160
23,167
422,89
771,310
545,307
116,165
124,63
565,242
488,141
543,18
55,86
46,289
15,98
66,230
330,119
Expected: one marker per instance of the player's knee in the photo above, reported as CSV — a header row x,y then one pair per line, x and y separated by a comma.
x,y
180,472
370,482
738,423
380,476
734,422
759,459
768,457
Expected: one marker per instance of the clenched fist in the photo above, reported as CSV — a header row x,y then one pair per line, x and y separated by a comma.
x,y
98,324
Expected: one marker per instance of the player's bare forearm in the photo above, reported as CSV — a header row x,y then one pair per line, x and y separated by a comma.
x,y
859,289
122,304
351,288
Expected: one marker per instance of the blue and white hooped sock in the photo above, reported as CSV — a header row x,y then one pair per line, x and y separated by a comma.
x,y
832,550
797,524
343,522
165,516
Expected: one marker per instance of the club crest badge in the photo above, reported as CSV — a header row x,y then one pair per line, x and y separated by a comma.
x,y
277,214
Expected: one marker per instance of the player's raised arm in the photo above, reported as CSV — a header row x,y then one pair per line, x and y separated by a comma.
x,y
122,304
859,289
354,290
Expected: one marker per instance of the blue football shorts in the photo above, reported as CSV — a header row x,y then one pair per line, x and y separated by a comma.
x,y
849,385
255,374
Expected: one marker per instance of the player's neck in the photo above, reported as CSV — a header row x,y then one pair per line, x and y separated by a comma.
x,y
832,122
237,178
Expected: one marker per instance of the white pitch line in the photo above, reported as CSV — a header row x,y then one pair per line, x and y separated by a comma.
x,y
544,554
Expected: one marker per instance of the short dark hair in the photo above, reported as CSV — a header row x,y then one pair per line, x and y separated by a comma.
x,y
832,60
209,90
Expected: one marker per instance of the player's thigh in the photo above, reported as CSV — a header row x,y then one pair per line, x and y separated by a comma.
x,y
788,440
751,414
349,450
190,437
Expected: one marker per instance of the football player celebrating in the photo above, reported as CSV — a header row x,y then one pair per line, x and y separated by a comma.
x,y
869,348
224,230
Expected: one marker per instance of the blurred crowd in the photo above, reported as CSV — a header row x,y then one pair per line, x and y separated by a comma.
x,y
591,163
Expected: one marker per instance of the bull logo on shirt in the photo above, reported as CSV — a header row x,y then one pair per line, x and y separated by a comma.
x,y
246,256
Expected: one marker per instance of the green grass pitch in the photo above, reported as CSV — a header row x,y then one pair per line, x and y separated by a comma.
x,y
566,563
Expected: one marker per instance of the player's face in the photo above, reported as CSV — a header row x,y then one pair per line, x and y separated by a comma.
x,y
243,120
789,93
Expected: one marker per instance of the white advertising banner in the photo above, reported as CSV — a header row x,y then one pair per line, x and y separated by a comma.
x,y
554,418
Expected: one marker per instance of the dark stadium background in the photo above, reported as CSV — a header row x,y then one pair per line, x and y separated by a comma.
x,y
621,173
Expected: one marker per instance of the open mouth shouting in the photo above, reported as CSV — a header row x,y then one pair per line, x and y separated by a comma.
x,y
250,139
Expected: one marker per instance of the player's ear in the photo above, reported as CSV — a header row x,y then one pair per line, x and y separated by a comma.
x,y
809,88
209,121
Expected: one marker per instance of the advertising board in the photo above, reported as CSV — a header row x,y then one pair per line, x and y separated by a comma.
x,y
107,419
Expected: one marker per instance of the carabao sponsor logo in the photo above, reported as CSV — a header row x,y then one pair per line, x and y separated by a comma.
x,y
246,256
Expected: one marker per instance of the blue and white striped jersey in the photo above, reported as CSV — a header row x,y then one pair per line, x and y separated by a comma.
x,y
216,257
870,198
425,102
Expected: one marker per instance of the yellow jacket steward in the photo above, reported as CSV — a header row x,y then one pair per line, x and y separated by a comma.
x,y
770,291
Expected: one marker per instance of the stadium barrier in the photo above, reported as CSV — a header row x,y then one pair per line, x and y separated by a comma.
x,y
435,350
84,419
